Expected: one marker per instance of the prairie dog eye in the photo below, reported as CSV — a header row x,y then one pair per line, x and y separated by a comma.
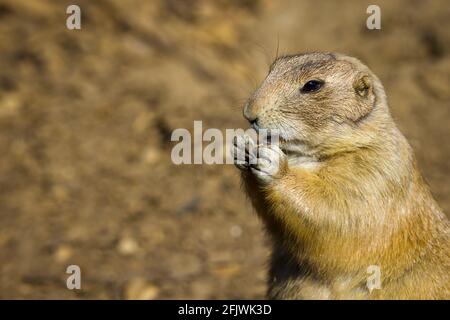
x,y
311,86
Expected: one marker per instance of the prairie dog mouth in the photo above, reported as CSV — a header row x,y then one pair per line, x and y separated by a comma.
x,y
268,136
296,150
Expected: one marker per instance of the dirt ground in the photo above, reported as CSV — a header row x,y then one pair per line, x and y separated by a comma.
x,y
86,117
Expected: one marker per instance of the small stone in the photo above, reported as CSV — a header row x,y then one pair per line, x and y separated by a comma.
x,y
63,253
151,156
10,105
236,231
140,289
128,246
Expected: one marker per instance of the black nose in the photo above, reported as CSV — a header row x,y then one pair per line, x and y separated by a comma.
x,y
254,123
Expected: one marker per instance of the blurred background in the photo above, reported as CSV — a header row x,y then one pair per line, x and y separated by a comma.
x,y
86,117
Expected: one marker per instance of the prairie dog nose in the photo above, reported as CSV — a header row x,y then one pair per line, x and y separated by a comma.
x,y
255,124
250,112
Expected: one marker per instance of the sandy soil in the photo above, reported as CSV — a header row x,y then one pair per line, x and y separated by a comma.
x,y
86,117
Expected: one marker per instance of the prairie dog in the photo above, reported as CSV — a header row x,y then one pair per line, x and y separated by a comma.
x,y
341,192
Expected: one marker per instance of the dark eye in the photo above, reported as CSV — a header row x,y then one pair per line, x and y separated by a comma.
x,y
311,86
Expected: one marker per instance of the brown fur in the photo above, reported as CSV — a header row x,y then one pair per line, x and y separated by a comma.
x,y
348,193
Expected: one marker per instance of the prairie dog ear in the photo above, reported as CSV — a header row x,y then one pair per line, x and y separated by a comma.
x,y
365,98
362,85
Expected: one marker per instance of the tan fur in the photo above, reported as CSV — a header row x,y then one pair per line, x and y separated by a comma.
x,y
348,194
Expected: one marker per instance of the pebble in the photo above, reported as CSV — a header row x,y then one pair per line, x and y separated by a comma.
x,y
140,289
127,246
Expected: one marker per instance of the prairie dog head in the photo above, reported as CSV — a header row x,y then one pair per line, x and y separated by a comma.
x,y
319,103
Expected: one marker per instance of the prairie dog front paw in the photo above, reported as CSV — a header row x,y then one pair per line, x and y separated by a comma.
x,y
268,164
244,152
